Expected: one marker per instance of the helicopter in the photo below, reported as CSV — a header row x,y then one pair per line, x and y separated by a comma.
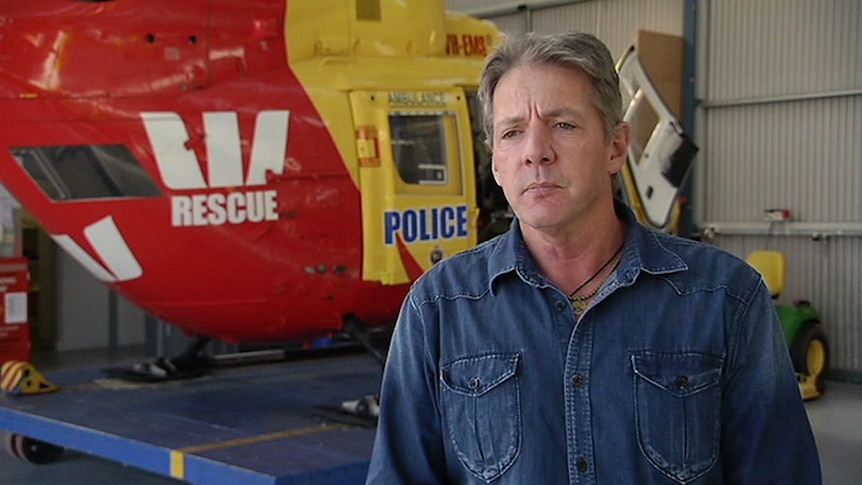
x,y
265,171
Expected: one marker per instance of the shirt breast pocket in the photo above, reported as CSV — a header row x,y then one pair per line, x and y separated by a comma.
x,y
481,407
677,405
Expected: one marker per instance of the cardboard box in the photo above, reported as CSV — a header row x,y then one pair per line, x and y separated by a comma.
x,y
662,58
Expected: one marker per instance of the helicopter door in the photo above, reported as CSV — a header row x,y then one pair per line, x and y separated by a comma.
x,y
660,152
418,197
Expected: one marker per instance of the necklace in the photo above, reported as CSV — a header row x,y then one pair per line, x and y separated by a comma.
x,y
580,302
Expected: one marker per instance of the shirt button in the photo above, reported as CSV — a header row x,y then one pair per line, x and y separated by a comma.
x,y
578,380
583,466
560,305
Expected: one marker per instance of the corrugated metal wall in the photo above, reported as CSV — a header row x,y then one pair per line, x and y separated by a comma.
x,y
616,22
779,125
782,47
794,154
511,23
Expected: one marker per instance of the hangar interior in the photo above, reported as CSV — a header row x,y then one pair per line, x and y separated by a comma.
x,y
776,129
772,93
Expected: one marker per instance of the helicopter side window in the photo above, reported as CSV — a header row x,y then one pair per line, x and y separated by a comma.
x,y
73,172
419,148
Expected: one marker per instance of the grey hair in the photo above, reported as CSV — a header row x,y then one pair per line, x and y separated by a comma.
x,y
575,50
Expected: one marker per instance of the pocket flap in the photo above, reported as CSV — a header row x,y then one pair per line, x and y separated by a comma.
x,y
679,373
479,374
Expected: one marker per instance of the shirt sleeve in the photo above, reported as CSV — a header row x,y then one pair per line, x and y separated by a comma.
x,y
766,435
408,445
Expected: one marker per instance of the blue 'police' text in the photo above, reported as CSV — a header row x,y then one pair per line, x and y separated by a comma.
x,y
427,224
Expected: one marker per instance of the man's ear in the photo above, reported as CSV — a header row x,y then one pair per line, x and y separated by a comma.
x,y
619,147
494,172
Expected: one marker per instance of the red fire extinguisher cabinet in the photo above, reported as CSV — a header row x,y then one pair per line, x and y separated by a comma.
x,y
14,319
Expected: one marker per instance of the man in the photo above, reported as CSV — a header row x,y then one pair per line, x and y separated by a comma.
x,y
581,347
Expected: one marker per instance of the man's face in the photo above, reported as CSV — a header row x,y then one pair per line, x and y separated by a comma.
x,y
551,155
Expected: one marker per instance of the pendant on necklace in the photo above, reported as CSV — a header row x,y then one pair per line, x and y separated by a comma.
x,y
579,305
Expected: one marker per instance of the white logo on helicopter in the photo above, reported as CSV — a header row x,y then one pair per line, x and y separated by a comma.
x,y
181,170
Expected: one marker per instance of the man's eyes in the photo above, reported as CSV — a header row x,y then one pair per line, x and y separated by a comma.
x,y
509,134
563,125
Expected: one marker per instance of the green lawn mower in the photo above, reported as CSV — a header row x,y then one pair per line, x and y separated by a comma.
x,y
809,349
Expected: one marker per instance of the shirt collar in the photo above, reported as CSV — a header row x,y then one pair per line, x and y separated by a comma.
x,y
643,251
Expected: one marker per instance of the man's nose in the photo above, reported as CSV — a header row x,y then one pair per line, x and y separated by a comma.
x,y
538,148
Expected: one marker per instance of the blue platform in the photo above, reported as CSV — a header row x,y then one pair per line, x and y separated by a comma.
x,y
271,423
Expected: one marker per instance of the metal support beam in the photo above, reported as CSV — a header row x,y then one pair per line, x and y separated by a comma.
x,y
818,231
729,103
515,7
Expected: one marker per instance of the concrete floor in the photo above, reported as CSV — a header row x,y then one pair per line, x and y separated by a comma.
x,y
836,418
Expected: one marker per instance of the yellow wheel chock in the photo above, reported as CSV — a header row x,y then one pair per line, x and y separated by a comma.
x,y
20,377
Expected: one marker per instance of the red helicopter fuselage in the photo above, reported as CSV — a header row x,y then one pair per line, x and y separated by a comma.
x,y
215,163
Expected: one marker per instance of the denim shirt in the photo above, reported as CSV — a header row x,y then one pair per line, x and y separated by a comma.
x,y
677,373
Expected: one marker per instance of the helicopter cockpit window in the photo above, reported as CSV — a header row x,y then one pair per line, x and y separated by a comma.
x,y
72,172
419,148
